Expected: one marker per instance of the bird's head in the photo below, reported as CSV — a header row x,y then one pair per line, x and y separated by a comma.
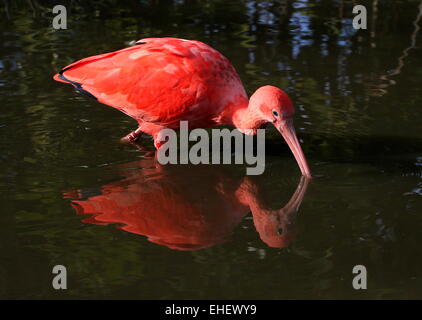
x,y
274,105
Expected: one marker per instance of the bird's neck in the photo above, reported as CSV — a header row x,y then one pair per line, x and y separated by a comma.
x,y
244,117
249,195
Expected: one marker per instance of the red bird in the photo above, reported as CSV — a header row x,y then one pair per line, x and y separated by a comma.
x,y
162,81
187,214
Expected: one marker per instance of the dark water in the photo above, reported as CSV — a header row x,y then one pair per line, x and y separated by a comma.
x,y
211,232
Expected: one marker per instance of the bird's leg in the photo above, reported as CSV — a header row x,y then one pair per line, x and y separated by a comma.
x,y
133,136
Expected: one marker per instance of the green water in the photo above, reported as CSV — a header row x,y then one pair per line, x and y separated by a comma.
x,y
358,101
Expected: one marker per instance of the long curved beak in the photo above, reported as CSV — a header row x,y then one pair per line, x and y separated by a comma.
x,y
288,132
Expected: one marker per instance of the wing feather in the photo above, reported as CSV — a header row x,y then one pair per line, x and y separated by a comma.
x,y
159,80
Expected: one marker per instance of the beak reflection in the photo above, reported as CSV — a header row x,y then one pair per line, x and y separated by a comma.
x,y
187,207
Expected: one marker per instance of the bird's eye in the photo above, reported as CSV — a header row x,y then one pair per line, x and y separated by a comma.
x,y
275,113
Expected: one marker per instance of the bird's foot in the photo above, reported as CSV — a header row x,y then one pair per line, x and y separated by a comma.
x,y
132,137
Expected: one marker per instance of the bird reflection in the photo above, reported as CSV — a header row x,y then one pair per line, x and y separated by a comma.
x,y
187,207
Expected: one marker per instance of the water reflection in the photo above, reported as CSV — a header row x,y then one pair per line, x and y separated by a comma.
x,y
357,98
385,80
187,207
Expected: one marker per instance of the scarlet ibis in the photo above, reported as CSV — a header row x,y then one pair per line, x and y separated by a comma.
x,y
187,214
162,81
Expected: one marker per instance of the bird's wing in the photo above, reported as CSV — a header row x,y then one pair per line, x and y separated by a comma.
x,y
159,80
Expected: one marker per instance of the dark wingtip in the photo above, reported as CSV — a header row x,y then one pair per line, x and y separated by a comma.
x,y
57,77
78,87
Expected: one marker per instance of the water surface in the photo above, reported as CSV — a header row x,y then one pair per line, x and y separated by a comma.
x,y
212,232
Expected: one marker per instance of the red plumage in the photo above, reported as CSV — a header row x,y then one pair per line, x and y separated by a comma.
x,y
162,81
